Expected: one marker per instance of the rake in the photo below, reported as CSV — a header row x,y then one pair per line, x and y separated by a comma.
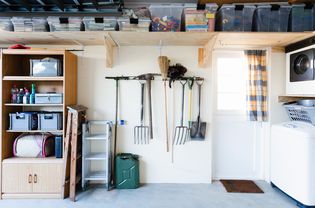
x,y
181,132
142,132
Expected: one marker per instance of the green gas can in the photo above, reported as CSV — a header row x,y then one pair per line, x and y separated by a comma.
x,y
127,171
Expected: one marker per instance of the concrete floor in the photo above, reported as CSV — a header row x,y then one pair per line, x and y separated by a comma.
x,y
165,196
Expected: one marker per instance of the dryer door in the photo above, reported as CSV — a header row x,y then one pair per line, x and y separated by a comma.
x,y
301,66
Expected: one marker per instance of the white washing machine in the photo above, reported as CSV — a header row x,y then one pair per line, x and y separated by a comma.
x,y
293,160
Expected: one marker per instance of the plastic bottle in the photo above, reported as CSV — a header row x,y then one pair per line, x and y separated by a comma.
x,y
14,92
20,96
26,97
32,95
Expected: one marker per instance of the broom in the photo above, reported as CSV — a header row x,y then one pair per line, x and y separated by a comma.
x,y
164,65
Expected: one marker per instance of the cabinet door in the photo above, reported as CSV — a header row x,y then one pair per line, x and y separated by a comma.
x,y
47,178
17,178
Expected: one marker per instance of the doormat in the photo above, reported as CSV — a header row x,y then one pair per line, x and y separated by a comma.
x,y
241,186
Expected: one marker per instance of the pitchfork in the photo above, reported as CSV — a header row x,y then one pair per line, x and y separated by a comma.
x,y
141,133
181,132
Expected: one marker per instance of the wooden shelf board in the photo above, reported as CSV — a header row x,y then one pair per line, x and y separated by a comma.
x,y
224,39
34,105
33,160
293,98
34,131
29,78
32,52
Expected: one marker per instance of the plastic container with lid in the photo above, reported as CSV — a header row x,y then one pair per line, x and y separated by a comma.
x,y
6,24
195,20
28,24
166,17
100,23
231,17
136,25
65,24
271,18
302,18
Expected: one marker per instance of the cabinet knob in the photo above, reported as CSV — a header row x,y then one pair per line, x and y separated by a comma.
x,y
30,178
35,178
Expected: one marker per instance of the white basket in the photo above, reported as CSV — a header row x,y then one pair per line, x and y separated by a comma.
x,y
301,113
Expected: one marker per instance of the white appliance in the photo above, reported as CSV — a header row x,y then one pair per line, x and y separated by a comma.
x,y
300,71
293,160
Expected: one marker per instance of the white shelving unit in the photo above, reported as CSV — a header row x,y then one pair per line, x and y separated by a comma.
x,y
88,158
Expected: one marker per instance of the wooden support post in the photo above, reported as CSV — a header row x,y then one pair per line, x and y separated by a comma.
x,y
109,45
205,53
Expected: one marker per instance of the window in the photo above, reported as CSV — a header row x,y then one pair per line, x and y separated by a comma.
x,y
231,75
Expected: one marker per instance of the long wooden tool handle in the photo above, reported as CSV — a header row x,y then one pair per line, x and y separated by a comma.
x,y
166,118
150,108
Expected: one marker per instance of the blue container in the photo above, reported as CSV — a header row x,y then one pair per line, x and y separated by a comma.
x,y
232,17
302,18
271,18
58,146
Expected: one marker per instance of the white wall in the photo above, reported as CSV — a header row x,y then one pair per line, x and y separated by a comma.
x,y
192,163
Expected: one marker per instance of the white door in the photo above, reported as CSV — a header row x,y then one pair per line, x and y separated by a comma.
x,y
235,151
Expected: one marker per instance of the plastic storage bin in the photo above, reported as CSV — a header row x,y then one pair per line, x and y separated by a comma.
x,y
23,121
100,23
47,67
195,20
58,146
137,25
6,24
65,24
49,121
48,98
27,24
300,113
127,171
232,17
271,18
302,18
166,17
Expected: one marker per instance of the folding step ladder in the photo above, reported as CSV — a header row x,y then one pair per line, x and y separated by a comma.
x,y
96,166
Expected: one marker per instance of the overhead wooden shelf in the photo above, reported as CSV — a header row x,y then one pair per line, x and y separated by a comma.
x,y
208,41
293,98
33,105
28,78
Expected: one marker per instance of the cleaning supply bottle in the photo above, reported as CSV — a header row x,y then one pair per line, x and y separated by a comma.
x,y
14,93
26,97
32,95
20,96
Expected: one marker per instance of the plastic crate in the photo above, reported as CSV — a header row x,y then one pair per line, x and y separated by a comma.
x,y
57,24
302,18
137,25
27,24
49,121
6,24
100,23
166,17
195,20
23,121
232,17
127,171
271,18
301,113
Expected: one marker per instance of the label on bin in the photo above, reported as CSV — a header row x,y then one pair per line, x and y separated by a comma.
x,y
164,18
210,15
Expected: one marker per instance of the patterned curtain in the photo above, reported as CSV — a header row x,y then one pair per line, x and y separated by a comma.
x,y
257,86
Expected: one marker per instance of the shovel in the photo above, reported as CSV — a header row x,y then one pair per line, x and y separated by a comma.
x,y
198,128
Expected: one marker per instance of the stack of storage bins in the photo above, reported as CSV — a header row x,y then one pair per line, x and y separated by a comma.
x,y
302,18
232,17
28,24
200,20
166,17
271,18
100,24
135,25
6,24
65,24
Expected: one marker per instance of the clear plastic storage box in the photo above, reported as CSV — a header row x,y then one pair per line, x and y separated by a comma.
x,y
100,23
166,17
6,24
232,17
57,24
195,19
302,18
271,18
47,67
28,24
137,25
